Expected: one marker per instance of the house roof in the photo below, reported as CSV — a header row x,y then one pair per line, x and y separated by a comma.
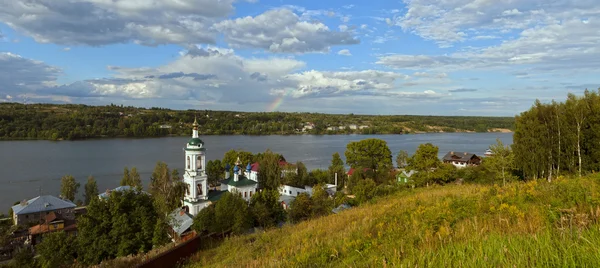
x,y
458,156
118,189
242,181
286,199
181,221
351,171
41,204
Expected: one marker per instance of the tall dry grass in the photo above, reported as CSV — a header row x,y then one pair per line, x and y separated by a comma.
x,y
530,224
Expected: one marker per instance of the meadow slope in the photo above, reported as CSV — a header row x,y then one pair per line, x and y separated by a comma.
x,y
532,224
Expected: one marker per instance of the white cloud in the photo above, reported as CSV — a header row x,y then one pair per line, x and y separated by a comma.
x,y
67,49
447,21
101,22
280,30
344,52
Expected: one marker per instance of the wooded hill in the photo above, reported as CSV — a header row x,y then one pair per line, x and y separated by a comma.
x,y
55,122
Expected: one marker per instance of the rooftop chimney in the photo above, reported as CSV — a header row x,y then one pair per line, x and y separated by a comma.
x,y
452,152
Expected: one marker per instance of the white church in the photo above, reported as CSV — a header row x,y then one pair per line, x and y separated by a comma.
x,y
198,196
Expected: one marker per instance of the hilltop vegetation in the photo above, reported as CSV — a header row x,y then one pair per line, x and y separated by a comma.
x,y
54,122
522,224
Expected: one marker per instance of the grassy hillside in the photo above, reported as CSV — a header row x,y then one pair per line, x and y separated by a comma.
x,y
529,224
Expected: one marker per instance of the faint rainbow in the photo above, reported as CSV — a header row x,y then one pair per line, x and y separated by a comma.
x,y
276,103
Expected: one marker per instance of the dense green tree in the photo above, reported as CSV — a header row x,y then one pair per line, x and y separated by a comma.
x,y
167,189
373,154
502,161
205,220
321,203
301,208
126,180
364,190
68,187
402,159
120,225
425,161
91,189
23,258
215,171
134,179
56,250
266,209
337,167
231,157
160,236
269,176
231,214
319,176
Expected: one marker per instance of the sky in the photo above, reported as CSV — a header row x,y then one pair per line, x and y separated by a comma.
x,y
424,57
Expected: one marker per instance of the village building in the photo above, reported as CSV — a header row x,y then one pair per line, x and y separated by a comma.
x,y
181,226
53,222
107,193
239,182
36,209
461,159
196,194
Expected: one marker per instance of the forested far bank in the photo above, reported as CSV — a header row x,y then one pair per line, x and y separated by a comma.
x,y
71,122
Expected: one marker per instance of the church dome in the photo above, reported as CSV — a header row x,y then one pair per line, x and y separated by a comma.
x,y
195,142
227,167
236,168
249,167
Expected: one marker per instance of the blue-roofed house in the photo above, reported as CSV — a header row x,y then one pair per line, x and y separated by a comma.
x,y
181,225
36,209
118,189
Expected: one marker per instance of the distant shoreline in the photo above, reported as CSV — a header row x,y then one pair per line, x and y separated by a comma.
x,y
258,135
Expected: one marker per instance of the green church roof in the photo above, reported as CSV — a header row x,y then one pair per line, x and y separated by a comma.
x,y
195,142
242,181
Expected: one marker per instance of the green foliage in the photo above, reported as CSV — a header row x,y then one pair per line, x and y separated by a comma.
x,y
402,159
215,170
265,209
337,166
68,187
232,214
300,209
364,190
205,220
160,236
23,258
57,122
321,203
56,250
522,224
501,163
370,153
231,157
91,189
120,225
424,161
167,189
319,176
269,176
559,138
126,180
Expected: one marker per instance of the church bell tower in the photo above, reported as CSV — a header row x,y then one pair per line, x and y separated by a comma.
x,y
195,173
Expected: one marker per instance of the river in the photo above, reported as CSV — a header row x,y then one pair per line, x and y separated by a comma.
x,y
31,168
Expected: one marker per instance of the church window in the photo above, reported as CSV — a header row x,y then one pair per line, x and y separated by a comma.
x,y
199,189
187,189
188,162
245,194
250,193
199,162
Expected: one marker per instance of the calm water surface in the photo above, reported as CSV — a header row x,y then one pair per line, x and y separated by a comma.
x,y
28,168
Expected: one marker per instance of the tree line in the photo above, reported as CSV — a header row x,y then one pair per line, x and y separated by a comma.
x,y
557,138
72,122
